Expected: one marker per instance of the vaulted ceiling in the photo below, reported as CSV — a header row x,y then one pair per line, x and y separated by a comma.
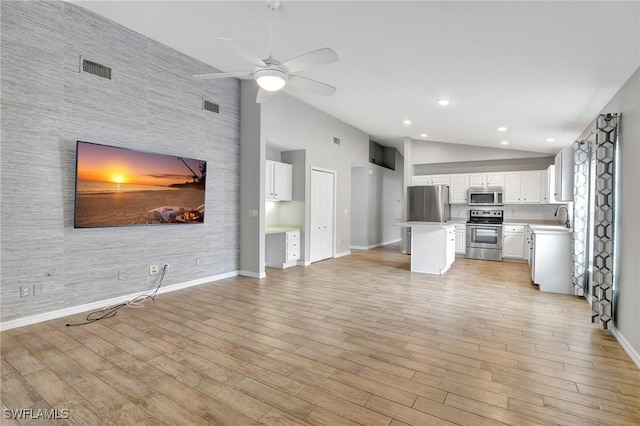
x,y
542,69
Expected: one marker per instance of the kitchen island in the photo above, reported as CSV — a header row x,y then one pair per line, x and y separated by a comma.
x,y
432,246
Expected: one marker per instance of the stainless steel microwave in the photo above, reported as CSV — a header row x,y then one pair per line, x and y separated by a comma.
x,y
485,196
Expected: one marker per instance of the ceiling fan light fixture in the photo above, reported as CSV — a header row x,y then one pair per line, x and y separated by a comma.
x,y
271,79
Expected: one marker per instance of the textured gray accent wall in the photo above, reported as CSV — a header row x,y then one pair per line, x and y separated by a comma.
x,y
150,104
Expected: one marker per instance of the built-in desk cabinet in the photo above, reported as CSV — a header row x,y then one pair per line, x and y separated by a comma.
x,y
282,248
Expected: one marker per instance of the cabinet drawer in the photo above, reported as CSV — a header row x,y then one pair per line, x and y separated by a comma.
x,y
293,244
293,255
514,228
293,235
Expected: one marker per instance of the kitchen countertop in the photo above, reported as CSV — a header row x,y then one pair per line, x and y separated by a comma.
x,y
414,224
517,222
550,229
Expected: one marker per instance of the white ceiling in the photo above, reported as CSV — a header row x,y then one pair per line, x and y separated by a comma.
x,y
542,69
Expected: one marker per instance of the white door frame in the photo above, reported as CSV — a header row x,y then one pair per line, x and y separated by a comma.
x,y
333,216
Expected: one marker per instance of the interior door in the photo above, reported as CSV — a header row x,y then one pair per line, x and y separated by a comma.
x,y
322,214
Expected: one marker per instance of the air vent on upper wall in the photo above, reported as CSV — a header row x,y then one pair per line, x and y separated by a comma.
x,y
210,106
96,69
336,141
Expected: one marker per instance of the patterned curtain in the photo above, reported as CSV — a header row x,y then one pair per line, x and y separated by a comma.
x,y
581,209
602,292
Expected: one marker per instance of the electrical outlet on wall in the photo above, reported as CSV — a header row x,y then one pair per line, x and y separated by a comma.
x,y
26,291
153,269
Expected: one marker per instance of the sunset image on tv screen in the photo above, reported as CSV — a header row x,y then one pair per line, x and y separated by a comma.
x,y
120,187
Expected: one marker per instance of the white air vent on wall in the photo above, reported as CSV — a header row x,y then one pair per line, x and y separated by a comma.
x,y
210,106
95,68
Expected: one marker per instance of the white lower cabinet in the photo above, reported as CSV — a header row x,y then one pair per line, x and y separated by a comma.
x,y
433,248
551,261
451,247
282,249
513,243
528,244
461,237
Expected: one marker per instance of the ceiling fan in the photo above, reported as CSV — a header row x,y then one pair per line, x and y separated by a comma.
x,y
273,75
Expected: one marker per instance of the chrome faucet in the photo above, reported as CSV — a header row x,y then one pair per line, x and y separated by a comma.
x,y
567,222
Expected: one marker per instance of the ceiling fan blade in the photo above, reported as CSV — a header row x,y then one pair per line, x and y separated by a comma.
x,y
264,96
297,82
316,58
241,51
222,75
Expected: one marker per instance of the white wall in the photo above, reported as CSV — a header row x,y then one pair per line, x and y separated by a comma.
x,y
627,315
291,124
376,205
359,206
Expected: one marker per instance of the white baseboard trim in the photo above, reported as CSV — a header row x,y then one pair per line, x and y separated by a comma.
x,y
385,243
344,253
251,274
635,356
303,263
46,316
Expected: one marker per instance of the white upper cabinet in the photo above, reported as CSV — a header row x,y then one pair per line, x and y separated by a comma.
x,y
564,174
278,181
523,187
422,180
441,180
432,180
548,186
512,188
495,179
458,189
477,179
486,179
531,187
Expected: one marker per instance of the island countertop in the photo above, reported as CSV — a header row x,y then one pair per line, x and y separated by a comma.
x,y
414,224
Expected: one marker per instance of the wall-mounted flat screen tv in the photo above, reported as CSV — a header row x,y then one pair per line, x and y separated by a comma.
x,y
123,187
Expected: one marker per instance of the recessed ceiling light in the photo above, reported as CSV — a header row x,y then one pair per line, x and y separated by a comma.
x,y
443,102
407,122
505,142
550,140
502,129
423,135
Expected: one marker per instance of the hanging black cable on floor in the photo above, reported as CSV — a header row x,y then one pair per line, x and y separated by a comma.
x,y
136,302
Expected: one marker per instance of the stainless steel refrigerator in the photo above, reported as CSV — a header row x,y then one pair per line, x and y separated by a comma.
x,y
427,203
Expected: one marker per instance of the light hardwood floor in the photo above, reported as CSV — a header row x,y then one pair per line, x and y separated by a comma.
x,y
354,340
